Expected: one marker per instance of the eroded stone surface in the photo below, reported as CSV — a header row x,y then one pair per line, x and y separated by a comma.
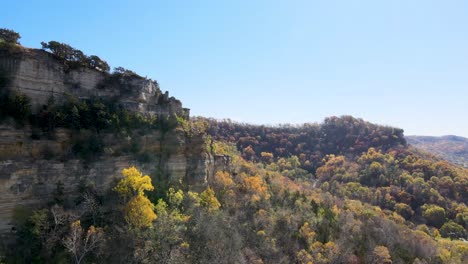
x,y
39,75
31,167
28,179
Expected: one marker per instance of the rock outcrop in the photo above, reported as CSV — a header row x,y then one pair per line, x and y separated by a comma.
x,y
31,169
34,163
40,75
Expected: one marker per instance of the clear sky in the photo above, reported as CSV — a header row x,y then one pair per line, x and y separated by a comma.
x,y
394,62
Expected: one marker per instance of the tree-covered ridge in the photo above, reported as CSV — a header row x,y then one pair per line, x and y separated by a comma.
x,y
451,148
354,159
344,135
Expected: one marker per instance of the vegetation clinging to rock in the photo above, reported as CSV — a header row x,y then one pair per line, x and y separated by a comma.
x,y
9,36
74,57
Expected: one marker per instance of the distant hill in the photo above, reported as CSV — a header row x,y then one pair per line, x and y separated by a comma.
x,y
451,148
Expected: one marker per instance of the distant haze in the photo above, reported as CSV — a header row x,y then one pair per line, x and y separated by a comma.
x,y
451,148
400,63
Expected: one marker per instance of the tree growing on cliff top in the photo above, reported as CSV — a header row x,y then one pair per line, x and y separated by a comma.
x,y
61,50
122,71
9,36
97,63
70,54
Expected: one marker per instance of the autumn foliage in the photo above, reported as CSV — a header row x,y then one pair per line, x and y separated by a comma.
x,y
139,211
287,196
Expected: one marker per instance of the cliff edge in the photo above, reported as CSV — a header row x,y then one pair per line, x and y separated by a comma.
x,y
59,147
41,75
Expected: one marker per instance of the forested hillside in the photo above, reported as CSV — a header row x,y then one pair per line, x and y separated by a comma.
x,y
451,148
309,142
388,204
213,191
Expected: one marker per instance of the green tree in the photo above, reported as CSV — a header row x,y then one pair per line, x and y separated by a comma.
x,y
175,198
9,36
95,62
435,215
20,107
209,200
404,210
452,230
61,50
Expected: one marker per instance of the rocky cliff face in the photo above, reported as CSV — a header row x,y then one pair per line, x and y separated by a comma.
x,y
39,75
31,169
33,164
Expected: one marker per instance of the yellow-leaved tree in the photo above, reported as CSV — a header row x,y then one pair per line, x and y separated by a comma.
x,y
133,183
209,201
139,210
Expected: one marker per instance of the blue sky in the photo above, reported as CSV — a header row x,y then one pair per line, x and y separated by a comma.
x,y
401,63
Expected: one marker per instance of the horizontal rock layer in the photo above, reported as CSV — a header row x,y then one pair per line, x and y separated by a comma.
x,y
33,163
31,169
40,75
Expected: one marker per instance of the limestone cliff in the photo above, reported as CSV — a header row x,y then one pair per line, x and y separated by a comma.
x,y
33,162
31,169
40,75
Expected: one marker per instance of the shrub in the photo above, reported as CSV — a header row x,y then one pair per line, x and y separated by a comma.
x,y
88,146
15,105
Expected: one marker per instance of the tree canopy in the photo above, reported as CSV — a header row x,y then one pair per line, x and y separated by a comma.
x,y
9,36
74,56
